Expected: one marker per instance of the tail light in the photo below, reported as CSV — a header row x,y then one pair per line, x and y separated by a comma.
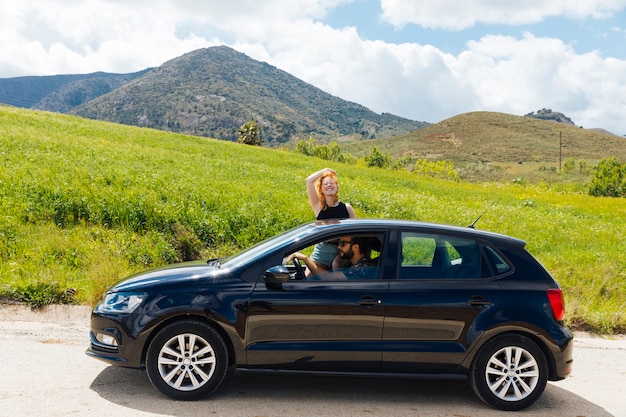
x,y
555,296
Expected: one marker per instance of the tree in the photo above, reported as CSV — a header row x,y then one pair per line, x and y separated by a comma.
x,y
249,134
609,179
378,159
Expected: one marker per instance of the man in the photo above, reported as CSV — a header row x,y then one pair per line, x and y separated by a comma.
x,y
357,251
354,261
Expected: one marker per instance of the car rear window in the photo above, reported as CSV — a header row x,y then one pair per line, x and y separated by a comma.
x,y
498,264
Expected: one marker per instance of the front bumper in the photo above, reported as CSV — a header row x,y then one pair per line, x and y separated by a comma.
x,y
111,342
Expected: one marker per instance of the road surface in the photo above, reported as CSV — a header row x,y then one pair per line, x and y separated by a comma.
x,y
46,373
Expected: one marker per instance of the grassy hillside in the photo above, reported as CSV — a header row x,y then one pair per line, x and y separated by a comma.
x,y
501,146
84,203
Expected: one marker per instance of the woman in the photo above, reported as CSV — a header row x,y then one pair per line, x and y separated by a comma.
x,y
323,191
322,188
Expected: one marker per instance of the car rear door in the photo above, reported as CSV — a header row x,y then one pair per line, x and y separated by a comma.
x,y
436,303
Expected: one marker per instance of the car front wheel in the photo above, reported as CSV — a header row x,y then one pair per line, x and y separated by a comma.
x,y
186,360
510,372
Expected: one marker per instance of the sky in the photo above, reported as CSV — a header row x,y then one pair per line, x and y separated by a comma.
x,y
425,60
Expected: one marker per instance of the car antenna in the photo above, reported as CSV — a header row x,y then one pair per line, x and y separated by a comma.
x,y
471,226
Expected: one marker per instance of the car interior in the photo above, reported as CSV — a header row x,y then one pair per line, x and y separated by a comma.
x,y
375,248
426,256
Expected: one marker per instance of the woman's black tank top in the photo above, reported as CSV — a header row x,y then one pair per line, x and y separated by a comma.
x,y
340,211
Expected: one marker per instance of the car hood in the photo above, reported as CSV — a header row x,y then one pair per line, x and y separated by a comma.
x,y
170,274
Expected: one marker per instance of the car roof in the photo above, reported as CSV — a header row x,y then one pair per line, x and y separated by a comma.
x,y
368,223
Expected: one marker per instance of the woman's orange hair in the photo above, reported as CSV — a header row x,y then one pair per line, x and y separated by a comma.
x,y
318,187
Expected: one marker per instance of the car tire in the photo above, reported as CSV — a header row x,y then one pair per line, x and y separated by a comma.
x,y
187,360
509,372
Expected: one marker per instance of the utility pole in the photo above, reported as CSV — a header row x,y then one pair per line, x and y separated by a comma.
x,y
560,151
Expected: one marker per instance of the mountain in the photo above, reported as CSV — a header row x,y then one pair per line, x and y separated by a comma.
x,y
213,91
208,92
60,93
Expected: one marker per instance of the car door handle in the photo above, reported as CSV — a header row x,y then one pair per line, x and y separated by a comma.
x,y
368,300
478,300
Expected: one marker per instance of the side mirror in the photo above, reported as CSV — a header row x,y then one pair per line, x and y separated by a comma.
x,y
275,276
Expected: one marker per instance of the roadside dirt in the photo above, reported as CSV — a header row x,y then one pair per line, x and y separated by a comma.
x,y
47,373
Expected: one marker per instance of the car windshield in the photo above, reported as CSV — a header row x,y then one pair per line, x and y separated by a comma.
x,y
261,248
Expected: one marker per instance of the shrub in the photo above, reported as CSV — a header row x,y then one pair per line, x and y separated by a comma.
x,y
437,169
331,152
306,147
378,159
609,179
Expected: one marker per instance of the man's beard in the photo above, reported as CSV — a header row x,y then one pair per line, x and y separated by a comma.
x,y
346,255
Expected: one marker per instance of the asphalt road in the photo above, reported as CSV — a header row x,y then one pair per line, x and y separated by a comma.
x,y
46,373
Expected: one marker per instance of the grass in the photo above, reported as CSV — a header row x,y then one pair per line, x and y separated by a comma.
x,y
85,203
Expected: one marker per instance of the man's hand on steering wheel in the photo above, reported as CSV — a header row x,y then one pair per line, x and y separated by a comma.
x,y
299,268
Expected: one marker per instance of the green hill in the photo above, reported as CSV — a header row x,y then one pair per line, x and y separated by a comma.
x,y
84,203
496,146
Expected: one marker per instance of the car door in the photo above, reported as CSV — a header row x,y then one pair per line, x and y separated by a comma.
x,y
317,325
436,302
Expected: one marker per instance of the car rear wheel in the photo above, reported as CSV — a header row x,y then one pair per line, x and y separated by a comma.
x,y
510,372
187,360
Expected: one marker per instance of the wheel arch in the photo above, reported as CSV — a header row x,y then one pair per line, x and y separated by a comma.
x,y
230,348
541,341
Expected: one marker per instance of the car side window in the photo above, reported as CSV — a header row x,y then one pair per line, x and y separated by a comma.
x,y
365,268
429,256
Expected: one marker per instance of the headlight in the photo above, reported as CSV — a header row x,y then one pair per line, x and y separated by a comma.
x,y
120,302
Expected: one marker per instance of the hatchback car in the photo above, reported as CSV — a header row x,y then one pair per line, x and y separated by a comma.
x,y
434,300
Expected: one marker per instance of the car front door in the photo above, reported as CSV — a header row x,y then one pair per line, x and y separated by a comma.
x,y
317,325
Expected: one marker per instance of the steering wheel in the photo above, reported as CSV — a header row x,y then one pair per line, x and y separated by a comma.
x,y
299,269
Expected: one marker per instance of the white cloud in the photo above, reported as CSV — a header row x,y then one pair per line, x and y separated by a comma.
x,y
116,36
495,73
458,15
51,37
522,75
422,82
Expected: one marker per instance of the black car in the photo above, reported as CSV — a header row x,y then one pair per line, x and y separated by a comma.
x,y
435,300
